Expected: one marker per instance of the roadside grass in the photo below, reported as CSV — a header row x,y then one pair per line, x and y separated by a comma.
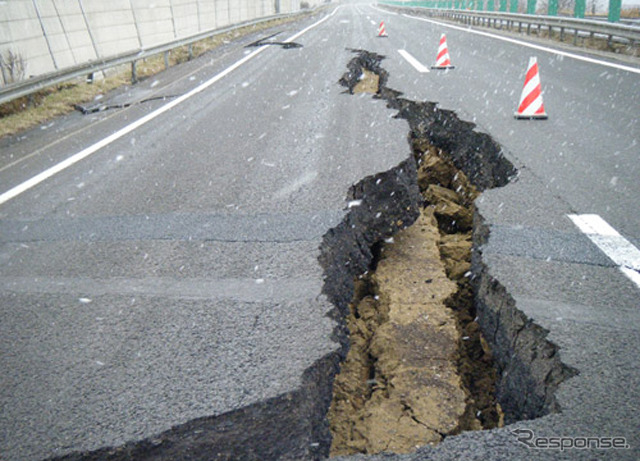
x,y
29,111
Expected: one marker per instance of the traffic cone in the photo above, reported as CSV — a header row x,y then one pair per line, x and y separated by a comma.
x,y
443,61
531,100
381,30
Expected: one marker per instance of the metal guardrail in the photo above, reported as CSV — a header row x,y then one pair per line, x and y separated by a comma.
x,y
34,84
629,34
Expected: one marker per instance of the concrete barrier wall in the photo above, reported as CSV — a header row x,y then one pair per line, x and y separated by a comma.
x,y
48,35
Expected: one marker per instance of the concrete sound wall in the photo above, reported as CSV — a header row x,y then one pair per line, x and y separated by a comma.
x,y
47,35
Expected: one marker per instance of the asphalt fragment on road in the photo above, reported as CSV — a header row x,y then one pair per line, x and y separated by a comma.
x,y
266,41
418,367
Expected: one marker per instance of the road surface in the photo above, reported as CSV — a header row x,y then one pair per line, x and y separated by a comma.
x,y
166,281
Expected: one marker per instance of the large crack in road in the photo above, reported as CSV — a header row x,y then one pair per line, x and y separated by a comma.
x,y
418,368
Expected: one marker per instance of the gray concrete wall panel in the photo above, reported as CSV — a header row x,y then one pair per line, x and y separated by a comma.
x,y
54,34
223,13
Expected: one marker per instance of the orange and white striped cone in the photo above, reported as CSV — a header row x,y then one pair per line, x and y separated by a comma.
x,y
443,61
382,32
531,105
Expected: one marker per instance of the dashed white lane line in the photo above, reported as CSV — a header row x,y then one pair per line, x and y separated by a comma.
x,y
615,246
530,45
52,171
417,65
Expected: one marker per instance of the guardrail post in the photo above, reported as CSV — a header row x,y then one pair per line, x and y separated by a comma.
x,y
614,10
166,60
190,51
553,8
578,11
134,71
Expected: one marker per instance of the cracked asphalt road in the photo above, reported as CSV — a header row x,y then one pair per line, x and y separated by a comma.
x,y
173,274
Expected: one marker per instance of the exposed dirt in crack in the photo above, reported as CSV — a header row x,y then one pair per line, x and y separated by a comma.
x,y
399,386
419,368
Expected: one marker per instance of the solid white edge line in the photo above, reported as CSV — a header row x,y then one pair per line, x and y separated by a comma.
x,y
531,45
633,275
315,24
622,252
30,183
417,65
52,171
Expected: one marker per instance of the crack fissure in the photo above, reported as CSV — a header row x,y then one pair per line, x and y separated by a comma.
x,y
93,108
453,164
266,41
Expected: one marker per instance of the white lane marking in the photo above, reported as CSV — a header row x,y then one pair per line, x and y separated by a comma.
x,y
633,275
37,179
373,22
531,45
413,61
315,24
614,245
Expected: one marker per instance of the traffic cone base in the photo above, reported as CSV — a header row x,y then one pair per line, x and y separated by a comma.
x,y
531,106
542,116
443,61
